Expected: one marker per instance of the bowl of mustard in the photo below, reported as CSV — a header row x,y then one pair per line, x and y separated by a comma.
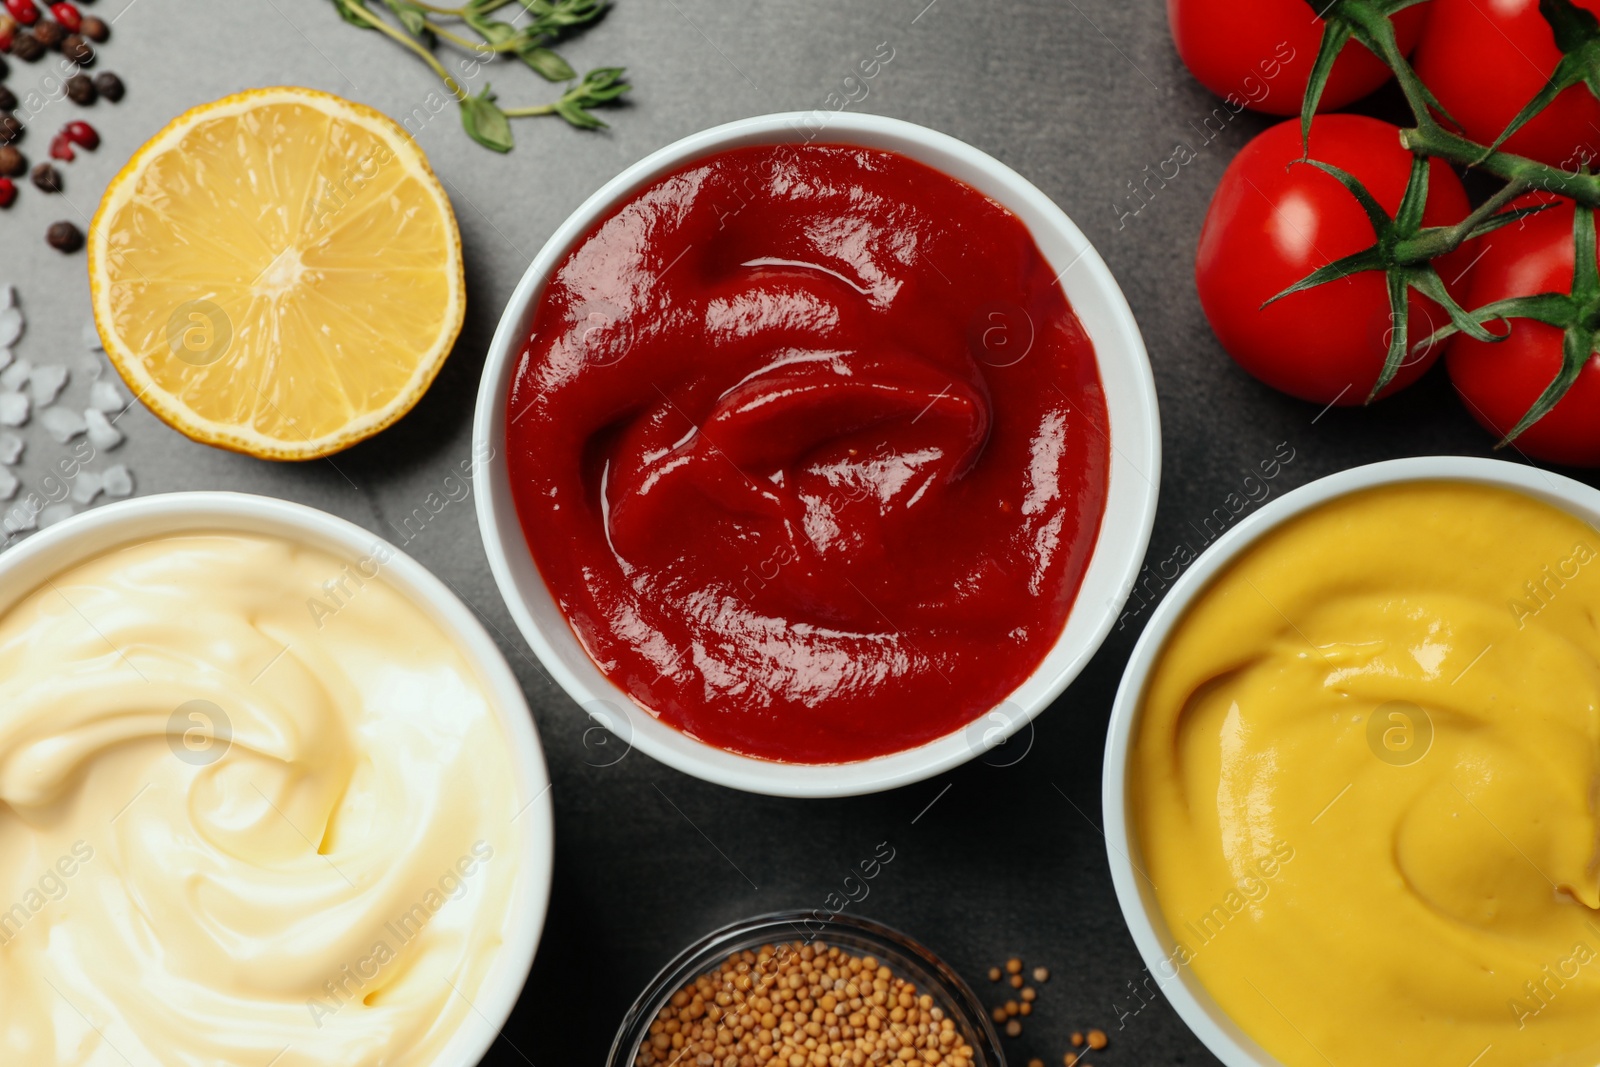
x,y
1353,774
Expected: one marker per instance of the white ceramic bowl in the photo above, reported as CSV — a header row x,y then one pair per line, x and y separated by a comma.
x,y
90,533
1118,553
1226,1040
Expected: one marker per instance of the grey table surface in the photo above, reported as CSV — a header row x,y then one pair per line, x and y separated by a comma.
x,y
1079,96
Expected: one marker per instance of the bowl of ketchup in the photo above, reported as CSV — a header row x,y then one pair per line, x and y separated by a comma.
x,y
816,454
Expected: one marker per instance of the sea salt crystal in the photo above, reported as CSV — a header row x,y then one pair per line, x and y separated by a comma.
x,y
105,396
8,484
16,376
46,383
10,326
116,481
102,434
63,424
14,408
54,513
10,448
85,487
22,517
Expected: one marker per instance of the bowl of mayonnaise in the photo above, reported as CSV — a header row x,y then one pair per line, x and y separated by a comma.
x,y
268,794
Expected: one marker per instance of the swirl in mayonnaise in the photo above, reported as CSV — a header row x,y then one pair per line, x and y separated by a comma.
x,y
235,829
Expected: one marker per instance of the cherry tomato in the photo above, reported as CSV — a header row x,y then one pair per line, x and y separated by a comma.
x,y
1466,38
1259,52
24,11
1273,221
1499,382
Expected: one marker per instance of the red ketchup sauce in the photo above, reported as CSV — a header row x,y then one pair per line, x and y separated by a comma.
x,y
811,450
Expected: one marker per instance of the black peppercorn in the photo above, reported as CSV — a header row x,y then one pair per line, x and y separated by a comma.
x,y
110,86
81,90
12,162
8,99
64,237
95,29
79,50
47,178
11,129
26,47
50,34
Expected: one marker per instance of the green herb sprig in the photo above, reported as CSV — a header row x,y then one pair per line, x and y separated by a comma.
x,y
421,27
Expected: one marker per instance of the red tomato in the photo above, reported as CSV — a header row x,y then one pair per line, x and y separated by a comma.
x,y
1272,223
1500,381
1260,52
1466,40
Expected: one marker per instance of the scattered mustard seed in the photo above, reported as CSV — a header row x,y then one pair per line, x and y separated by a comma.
x,y
994,974
1029,993
1041,974
1098,1039
1013,1028
1013,966
1077,1039
1016,981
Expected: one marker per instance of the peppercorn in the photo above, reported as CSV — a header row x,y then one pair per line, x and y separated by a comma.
x,y
8,99
79,50
95,29
12,162
8,192
26,47
80,90
81,134
64,237
24,11
11,129
110,86
50,34
67,15
47,178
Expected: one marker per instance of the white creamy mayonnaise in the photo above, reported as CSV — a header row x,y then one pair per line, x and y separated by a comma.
x,y
255,808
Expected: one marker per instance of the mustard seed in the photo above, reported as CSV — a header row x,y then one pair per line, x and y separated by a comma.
x,y
1098,1039
1013,966
1041,975
994,974
1013,1028
1029,994
1077,1039
1016,981
787,1005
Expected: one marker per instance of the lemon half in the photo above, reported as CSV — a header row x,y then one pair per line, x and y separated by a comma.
x,y
277,273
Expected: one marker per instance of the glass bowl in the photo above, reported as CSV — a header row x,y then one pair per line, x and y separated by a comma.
x,y
903,956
